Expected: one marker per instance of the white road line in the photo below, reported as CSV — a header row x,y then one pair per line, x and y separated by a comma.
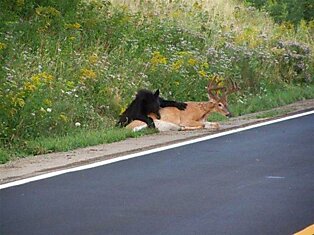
x,y
134,155
274,177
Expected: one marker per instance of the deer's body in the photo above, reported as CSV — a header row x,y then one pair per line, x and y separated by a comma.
x,y
193,117
171,118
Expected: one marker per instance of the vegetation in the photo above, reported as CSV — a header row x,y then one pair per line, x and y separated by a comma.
x,y
291,11
71,67
78,139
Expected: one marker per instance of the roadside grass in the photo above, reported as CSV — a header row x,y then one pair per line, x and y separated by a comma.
x,y
85,137
4,156
216,117
272,99
272,113
80,139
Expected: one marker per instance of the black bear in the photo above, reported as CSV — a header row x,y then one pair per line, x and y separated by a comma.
x,y
144,103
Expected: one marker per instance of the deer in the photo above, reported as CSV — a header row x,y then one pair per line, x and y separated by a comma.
x,y
195,114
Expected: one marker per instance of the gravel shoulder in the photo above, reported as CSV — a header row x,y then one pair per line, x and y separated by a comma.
x,y
41,164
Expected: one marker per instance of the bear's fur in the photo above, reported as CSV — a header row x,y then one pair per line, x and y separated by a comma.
x,y
144,103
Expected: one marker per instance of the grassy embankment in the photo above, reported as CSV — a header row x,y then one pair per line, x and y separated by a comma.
x,y
68,68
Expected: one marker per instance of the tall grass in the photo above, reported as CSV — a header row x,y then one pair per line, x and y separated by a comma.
x,y
73,65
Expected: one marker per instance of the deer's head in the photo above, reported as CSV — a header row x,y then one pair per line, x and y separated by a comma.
x,y
217,94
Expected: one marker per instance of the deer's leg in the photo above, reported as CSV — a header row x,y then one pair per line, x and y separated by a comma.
x,y
192,125
212,126
136,125
166,126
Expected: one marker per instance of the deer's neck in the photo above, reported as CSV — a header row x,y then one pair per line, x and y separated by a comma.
x,y
206,107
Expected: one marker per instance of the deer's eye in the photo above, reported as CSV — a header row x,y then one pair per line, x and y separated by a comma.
x,y
220,105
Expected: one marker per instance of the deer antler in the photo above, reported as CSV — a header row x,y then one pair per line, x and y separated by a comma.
x,y
214,85
233,88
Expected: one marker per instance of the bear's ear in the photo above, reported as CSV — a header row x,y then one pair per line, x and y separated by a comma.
x,y
156,93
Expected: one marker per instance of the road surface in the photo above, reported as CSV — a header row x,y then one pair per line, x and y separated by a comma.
x,y
258,181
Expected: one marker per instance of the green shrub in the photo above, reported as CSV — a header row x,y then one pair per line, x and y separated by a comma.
x,y
293,11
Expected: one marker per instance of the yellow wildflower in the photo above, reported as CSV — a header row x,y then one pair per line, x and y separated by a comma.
x,y
35,80
47,102
122,109
63,117
18,101
93,59
177,65
202,73
70,84
88,73
218,80
28,86
47,77
192,61
158,59
2,45
205,65
73,26
47,11
38,78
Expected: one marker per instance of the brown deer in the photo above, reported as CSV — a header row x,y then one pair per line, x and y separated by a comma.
x,y
195,114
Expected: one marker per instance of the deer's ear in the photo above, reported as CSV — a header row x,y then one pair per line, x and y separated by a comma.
x,y
156,93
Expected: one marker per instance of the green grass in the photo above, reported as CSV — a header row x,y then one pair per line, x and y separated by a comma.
x,y
271,100
72,141
4,156
81,139
216,117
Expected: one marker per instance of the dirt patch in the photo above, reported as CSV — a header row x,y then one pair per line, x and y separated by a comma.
x,y
40,164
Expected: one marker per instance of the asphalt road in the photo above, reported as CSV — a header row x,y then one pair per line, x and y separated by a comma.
x,y
260,181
